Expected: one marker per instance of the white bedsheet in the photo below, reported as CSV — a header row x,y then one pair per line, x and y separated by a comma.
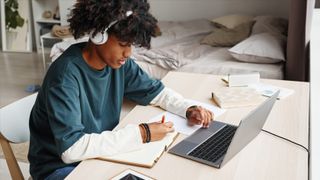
x,y
181,41
175,55
218,62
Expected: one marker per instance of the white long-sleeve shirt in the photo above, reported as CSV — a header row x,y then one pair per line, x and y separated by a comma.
x,y
123,140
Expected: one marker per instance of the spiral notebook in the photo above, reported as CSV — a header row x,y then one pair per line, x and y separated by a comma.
x,y
147,156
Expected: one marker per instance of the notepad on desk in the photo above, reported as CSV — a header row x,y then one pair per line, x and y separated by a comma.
x,y
268,90
181,124
240,80
252,80
147,156
231,97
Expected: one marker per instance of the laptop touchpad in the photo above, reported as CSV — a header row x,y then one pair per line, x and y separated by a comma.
x,y
202,134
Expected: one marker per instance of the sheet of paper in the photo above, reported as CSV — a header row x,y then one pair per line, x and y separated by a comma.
x,y
180,123
241,79
269,90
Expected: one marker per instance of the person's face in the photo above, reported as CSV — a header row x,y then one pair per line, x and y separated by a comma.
x,y
114,53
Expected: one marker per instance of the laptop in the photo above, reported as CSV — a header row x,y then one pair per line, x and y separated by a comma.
x,y
219,143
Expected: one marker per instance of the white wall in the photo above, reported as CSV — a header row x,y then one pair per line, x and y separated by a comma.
x,y
315,96
192,9
64,7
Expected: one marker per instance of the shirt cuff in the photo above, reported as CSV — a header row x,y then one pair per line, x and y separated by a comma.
x,y
107,143
172,101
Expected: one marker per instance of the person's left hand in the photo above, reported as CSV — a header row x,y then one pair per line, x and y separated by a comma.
x,y
197,115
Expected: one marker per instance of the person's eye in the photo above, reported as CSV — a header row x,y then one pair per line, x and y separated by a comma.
x,y
125,44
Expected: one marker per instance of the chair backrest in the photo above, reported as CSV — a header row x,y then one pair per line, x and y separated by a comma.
x,y
14,128
14,119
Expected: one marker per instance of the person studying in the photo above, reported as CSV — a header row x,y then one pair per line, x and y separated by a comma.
x,y
80,100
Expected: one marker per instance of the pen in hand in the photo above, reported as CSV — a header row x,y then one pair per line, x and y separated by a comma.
x,y
163,119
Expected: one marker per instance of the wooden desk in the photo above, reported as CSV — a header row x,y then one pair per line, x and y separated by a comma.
x,y
266,157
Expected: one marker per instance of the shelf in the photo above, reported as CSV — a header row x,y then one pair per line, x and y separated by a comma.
x,y
49,36
49,21
39,23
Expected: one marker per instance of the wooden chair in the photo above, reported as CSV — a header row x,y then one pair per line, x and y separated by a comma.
x,y
14,128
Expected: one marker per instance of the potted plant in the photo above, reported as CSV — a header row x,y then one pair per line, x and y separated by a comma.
x,y
13,20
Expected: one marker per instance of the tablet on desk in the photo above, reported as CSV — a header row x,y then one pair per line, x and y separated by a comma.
x,y
130,174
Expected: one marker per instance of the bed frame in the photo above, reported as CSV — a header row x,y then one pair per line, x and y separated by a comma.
x,y
298,12
297,65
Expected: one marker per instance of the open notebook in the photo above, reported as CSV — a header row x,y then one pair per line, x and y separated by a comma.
x,y
147,156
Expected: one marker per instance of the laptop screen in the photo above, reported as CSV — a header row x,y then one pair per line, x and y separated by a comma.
x,y
250,127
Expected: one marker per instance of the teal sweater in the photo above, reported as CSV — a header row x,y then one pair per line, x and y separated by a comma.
x,y
76,99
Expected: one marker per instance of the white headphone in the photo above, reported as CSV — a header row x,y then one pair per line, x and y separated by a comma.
x,y
102,37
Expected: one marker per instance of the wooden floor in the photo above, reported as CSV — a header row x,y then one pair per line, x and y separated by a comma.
x,y
17,71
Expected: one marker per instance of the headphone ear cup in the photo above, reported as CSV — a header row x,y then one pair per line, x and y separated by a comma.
x,y
99,38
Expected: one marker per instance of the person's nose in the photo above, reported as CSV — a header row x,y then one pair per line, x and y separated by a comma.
x,y
127,52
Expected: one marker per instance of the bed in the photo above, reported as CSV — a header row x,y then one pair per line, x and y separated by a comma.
x,y
179,48
298,13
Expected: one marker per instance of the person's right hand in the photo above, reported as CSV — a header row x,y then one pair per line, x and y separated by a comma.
x,y
199,115
158,130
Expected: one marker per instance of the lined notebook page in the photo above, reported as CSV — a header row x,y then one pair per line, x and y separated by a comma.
x,y
180,123
147,156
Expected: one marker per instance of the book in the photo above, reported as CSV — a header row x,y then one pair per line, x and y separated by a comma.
x,y
230,97
237,80
147,156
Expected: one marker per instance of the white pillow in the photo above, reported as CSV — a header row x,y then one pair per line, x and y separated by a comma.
x,y
231,21
260,48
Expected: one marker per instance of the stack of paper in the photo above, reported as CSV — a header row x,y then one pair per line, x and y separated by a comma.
x,y
269,90
230,97
252,80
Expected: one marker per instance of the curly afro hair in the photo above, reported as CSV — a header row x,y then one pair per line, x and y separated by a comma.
x,y
96,15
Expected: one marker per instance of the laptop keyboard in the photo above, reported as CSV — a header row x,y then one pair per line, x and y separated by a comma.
x,y
215,146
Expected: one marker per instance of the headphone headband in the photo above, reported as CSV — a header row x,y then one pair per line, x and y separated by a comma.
x,y
102,37
129,13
